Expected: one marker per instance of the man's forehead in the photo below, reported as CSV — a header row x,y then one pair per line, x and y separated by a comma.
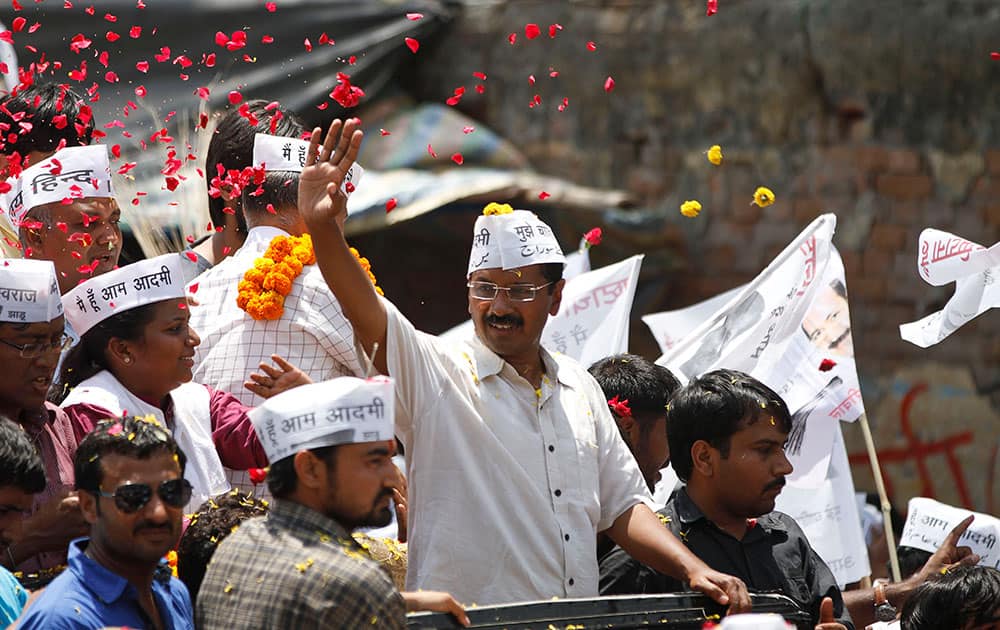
x,y
129,468
88,205
765,426
529,274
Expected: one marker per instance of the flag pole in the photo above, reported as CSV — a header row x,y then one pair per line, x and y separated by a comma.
x,y
890,537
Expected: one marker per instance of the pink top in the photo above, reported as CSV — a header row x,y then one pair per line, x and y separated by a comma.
x,y
233,434
57,440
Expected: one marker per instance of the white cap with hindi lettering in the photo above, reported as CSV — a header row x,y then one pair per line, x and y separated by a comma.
x,y
128,287
29,291
345,410
282,153
72,173
513,239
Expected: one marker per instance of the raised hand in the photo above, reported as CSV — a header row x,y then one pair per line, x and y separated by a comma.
x,y
327,163
275,380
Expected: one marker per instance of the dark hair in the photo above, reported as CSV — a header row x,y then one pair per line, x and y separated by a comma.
x,y
214,520
232,146
280,190
20,464
552,272
281,477
962,597
138,438
87,357
911,560
646,386
40,104
712,408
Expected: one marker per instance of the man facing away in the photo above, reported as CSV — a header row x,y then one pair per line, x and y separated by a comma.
x,y
330,445
514,461
130,474
727,432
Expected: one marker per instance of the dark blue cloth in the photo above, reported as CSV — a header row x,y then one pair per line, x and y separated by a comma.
x,y
87,595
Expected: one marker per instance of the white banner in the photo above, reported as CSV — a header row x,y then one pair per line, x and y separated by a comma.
x,y
593,320
975,271
928,523
790,328
669,327
829,517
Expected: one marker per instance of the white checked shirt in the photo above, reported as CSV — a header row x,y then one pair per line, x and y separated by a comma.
x,y
507,488
312,334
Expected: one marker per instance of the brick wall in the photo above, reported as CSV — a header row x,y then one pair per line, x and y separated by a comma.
x,y
886,113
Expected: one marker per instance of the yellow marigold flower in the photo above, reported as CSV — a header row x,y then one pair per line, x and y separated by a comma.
x,y
763,197
280,247
294,264
494,208
690,209
279,283
715,154
263,264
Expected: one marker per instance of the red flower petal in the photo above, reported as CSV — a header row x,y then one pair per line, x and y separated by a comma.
x,y
609,84
510,38
591,46
18,24
135,32
711,7
995,55
235,97
430,150
390,205
112,36
531,31
271,7
257,475
413,17
458,159
553,29
412,44
543,195
826,365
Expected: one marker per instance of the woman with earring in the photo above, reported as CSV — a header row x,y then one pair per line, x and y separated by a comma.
x,y
135,357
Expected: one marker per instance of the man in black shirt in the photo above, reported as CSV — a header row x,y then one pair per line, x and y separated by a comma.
x,y
727,432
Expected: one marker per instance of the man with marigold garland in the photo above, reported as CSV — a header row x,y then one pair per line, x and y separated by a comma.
x,y
515,463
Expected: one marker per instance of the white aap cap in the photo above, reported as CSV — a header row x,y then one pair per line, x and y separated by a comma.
x,y
128,287
345,410
29,291
508,239
281,153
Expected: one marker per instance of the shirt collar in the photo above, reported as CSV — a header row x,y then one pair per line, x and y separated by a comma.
x,y
689,513
299,516
262,234
107,585
489,363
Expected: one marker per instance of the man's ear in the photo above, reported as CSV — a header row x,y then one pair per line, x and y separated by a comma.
x,y
31,240
310,470
629,428
704,458
557,297
88,506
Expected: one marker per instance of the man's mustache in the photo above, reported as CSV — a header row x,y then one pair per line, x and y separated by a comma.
x,y
777,483
503,320
150,525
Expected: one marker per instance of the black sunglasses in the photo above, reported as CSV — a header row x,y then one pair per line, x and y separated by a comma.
x,y
131,497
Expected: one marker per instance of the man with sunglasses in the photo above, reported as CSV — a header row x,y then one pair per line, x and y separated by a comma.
x,y
515,463
31,338
130,474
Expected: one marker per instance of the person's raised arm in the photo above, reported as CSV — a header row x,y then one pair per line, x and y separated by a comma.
x,y
641,534
322,207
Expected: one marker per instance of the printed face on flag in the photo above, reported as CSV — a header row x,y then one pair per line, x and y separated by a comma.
x,y
827,323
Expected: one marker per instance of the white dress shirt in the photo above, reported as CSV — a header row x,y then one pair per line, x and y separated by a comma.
x,y
508,487
312,333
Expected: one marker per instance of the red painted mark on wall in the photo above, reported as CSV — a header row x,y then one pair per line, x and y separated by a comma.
x,y
918,451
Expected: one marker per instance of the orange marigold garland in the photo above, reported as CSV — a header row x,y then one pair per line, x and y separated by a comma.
x,y
264,286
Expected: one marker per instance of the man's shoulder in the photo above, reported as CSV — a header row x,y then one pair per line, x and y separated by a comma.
x,y
66,602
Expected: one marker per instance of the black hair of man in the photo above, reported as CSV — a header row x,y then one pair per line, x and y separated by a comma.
x,y
911,560
646,386
232,146
278,193
20,464
214,520
963,597
281,477
712,408
42,105
139,438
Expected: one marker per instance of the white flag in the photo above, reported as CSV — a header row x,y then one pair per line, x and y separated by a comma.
x,y
593,320
789,328
669,327
928,523
828,514
975,271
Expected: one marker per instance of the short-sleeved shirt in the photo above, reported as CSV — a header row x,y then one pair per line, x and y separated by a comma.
x,y
773,556
12,598
296,568
508,486
88,595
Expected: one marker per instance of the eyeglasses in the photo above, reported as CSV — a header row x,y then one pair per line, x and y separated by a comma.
x,y
516,292
35,350
132,497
